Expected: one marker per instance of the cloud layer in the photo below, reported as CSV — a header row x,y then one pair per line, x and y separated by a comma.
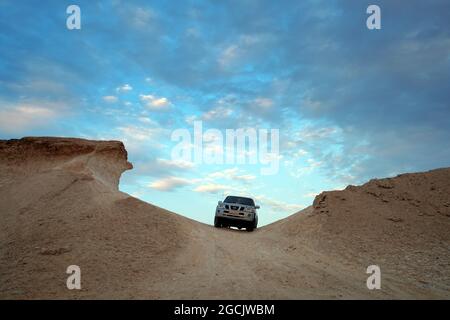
x,y
351,103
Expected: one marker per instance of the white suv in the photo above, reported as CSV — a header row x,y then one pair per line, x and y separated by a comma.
x,y
238,212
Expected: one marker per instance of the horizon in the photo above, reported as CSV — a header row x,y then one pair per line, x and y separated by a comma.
x,y
349,104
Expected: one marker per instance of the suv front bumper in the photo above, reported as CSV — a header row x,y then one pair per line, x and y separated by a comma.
x,y
234,215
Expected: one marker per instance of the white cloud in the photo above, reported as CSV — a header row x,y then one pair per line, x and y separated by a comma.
x,y
309,167
310,194
175,164
209,184
264,103
229,54
230,174
277,205
20,117
239,50
38,84
147,120
136,133
227,173
311,134
211,188
110,99
144,144
300,153
155,103
245,177
217,113
140,140
124,88
169,183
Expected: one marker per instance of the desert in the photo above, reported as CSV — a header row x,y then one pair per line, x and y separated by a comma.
x,y
60,205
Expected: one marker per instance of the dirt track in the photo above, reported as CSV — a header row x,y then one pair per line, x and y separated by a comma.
x,y
233,264
59,205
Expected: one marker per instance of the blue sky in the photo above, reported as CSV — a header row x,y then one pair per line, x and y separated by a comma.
x,y
350,103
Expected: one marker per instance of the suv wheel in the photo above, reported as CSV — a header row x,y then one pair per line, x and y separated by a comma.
x,y
252,226
217,222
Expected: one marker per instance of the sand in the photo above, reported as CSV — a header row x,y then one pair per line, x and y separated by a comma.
x,y
60,205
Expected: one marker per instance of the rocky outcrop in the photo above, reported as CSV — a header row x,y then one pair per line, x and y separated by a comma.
x,y
103,161
60,205
401,224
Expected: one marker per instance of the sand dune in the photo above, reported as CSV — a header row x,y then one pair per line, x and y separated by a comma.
x,y
60,205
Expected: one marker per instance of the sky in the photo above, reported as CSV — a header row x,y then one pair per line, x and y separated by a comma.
x,y
350,104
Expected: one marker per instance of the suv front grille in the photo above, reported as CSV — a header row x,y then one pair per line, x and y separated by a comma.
x,y
235,207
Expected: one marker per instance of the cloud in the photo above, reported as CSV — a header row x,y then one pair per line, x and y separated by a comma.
x,y
27,116
149,166
245,177
110,99
154,103
212,188
264,103
217,113
142,17
311,194
278,206
169,183
234,177
357,102
305,168
227,173
241,50
175,164
148,121
231,174
146,148
229,54
142,142
223,115
136,133
138,18
124,88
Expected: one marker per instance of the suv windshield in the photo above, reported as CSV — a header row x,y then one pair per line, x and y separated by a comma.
x,y
240,200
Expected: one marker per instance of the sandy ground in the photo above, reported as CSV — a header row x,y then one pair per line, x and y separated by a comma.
x,y
59,205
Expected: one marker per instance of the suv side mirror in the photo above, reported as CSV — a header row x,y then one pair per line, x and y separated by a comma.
x,y
257,207
220,203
